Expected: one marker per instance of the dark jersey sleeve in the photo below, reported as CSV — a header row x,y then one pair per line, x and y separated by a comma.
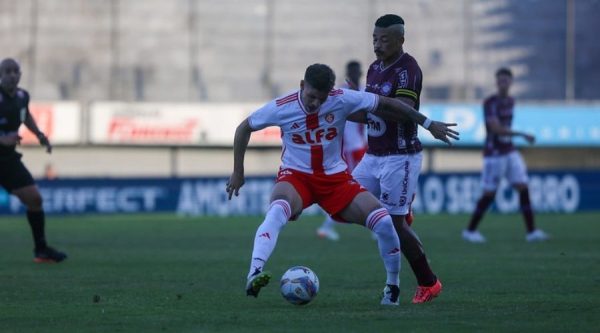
x,y
489,110
409,82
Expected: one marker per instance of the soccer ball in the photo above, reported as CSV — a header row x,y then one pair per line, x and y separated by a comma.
x,y
299,285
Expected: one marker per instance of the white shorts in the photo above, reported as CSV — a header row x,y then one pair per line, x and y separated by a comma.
x,y
510,166
393,179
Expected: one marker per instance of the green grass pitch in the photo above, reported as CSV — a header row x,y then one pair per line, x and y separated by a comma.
x,y
162,273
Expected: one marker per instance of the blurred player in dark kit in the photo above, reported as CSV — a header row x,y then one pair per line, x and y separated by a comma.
x,y
14,176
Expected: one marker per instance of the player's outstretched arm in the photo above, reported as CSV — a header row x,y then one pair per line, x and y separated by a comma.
x,y
32,126
396,110
240,144
496,127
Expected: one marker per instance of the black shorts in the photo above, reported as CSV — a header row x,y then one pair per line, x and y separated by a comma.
x,y
13,173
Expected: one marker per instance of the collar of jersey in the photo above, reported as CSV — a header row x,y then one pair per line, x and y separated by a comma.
x,y
382,69
302,104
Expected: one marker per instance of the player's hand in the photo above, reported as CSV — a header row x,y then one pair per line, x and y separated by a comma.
x,y
45,142
529,138
236,181
10,139
443,132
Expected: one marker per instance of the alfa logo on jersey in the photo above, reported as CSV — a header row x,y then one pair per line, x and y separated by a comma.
x,y
329,118
315,136
403,79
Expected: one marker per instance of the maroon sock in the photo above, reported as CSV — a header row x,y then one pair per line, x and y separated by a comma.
x,y
425,276
526,209
482,205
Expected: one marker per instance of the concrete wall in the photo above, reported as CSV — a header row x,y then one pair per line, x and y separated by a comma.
x,y
148,162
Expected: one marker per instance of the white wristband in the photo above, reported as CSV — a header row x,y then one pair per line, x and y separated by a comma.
x,y
427,123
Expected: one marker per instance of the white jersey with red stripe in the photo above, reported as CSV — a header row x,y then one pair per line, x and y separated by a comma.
x,y
312,142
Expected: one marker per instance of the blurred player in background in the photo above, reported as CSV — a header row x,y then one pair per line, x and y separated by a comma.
x,y
312,171
14,176
354,143
390,169
502,160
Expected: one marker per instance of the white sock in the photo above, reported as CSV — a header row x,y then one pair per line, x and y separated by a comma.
x,y
266,236
380,222
329,223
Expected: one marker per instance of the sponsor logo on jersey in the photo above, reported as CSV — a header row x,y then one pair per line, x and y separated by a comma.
x,y
376,126
295,126
315,136
386,89
329,118
403,79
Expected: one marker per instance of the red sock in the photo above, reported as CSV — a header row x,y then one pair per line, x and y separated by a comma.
x,y
482,205
526,209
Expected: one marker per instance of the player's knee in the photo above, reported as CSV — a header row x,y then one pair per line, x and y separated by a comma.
x,y
33,201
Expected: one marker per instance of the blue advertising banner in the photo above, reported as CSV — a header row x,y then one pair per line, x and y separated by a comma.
x,y
552,125
559,191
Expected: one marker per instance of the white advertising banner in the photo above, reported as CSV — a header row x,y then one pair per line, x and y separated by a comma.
x,y
60,121
172,124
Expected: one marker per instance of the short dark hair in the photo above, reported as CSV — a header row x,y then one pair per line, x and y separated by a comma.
x,y
320,77
352,63
504,71
388,20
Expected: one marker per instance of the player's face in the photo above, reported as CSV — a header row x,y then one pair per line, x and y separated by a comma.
x,y
311,97
503,83
387,44
10,74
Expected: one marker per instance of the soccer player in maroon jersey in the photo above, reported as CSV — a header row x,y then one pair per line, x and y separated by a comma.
x,y
14,176
390,168
502,160
312,123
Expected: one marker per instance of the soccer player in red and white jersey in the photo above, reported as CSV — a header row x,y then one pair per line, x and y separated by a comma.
x,y
354,144
501,159
312,171
390,168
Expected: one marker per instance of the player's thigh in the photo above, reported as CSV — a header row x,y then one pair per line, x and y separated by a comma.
x,y
492,173
30,196
14,175
286,191
517,170
366,174
360,208
400,176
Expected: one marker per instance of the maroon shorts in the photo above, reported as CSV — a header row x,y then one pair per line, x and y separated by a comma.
x,y
332,192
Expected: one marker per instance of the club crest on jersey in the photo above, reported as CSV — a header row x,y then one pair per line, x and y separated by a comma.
x,y
386,88
329,118
403,79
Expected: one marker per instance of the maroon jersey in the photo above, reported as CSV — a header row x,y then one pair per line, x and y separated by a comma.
x,y
403,78
501,109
